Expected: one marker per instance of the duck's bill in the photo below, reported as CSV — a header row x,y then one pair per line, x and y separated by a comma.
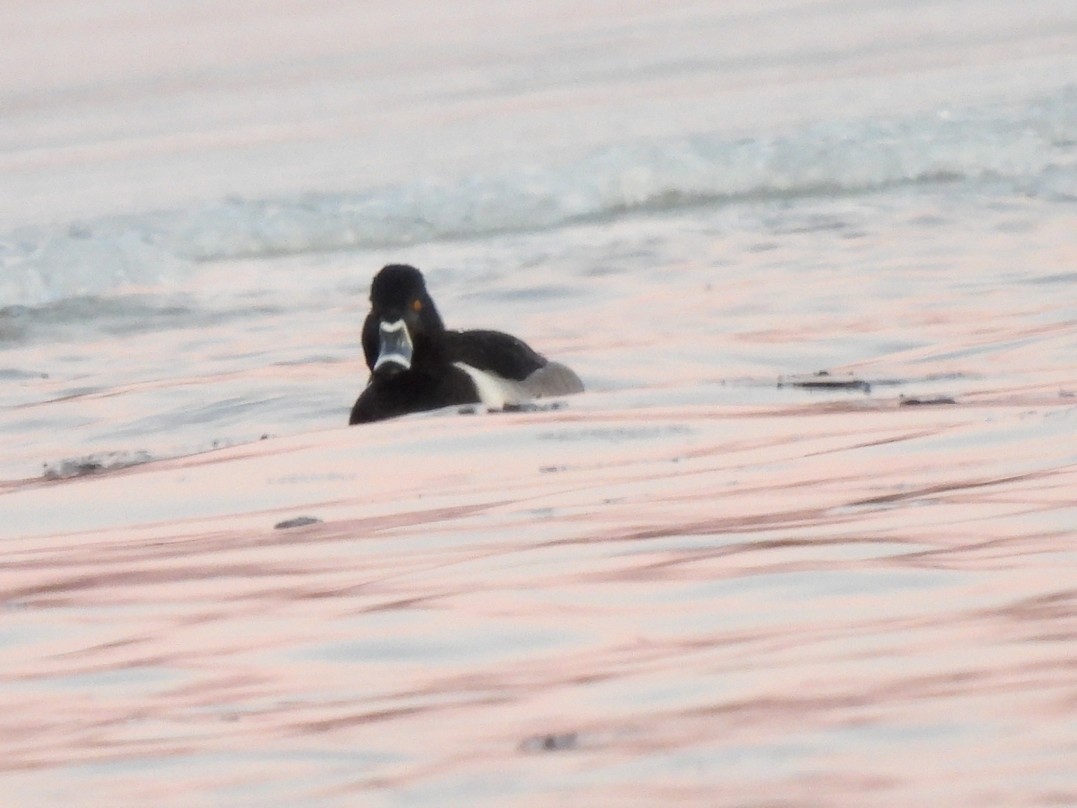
x,y
394,354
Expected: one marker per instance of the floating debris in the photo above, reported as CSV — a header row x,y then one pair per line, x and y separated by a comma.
x,y
298,521
822,380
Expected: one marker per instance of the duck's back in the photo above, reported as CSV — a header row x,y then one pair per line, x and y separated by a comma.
x,y
494,352
552,379
520,372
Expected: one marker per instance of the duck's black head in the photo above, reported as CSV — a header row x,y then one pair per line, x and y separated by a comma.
x,y
402,331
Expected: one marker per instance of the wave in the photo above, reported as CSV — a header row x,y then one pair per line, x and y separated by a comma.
x,y
1031,146
94,464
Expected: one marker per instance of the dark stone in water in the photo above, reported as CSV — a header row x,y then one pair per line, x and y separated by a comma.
x,y
925,402
554,742
298,521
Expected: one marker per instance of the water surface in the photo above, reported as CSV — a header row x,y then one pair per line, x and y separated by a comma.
x,y
718,577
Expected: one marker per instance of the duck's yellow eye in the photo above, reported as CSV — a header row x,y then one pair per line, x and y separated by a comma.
x,y
416,305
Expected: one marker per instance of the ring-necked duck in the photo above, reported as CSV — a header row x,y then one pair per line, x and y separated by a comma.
x,y
416,364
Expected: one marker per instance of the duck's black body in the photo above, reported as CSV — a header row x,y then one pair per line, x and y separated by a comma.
x,y
416,364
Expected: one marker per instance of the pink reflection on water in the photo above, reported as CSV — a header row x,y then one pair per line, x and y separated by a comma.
x,y
861,604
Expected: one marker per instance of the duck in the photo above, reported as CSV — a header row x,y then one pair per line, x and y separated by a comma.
x,y
416,364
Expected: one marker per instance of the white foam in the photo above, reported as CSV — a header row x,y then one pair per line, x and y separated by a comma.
x,y
1026,145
